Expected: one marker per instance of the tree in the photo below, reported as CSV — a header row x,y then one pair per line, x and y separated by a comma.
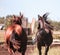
x,y
8,21
1,20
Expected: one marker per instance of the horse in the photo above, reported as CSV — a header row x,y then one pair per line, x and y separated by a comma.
x,y
44,34
16,37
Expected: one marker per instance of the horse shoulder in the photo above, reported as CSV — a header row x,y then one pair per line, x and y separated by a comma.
x,y
18,29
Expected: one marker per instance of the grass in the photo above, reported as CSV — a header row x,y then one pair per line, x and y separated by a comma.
x,y
52,51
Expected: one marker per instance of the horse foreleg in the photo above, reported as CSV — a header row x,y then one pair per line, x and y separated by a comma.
x,y
23,53
11,51
39,49
46,49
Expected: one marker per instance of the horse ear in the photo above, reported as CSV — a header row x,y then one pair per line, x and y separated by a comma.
x,y
39,17
45,15
21,15
14,16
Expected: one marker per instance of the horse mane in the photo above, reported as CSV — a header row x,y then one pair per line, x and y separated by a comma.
x,y
47,24
44,21
45,16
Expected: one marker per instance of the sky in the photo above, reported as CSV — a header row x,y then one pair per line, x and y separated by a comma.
x,y
31,8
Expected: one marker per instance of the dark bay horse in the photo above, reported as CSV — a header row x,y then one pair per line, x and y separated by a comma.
x,y
44,34
16,37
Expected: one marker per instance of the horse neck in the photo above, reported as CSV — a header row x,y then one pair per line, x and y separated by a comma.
x,y
41,23
16,23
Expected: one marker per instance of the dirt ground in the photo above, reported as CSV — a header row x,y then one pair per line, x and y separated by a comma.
x,y
30,50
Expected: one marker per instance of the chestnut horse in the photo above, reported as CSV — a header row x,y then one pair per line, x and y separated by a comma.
x,y
16,37
44,34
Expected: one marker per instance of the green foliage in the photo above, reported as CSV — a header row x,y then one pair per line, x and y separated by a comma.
x,y
56,25
8,22
1,20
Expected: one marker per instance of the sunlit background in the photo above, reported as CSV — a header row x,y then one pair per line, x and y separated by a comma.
x,y
31,8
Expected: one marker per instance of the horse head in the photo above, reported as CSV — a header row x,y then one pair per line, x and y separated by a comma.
x,y
17,19
43,23
40,22
44,17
